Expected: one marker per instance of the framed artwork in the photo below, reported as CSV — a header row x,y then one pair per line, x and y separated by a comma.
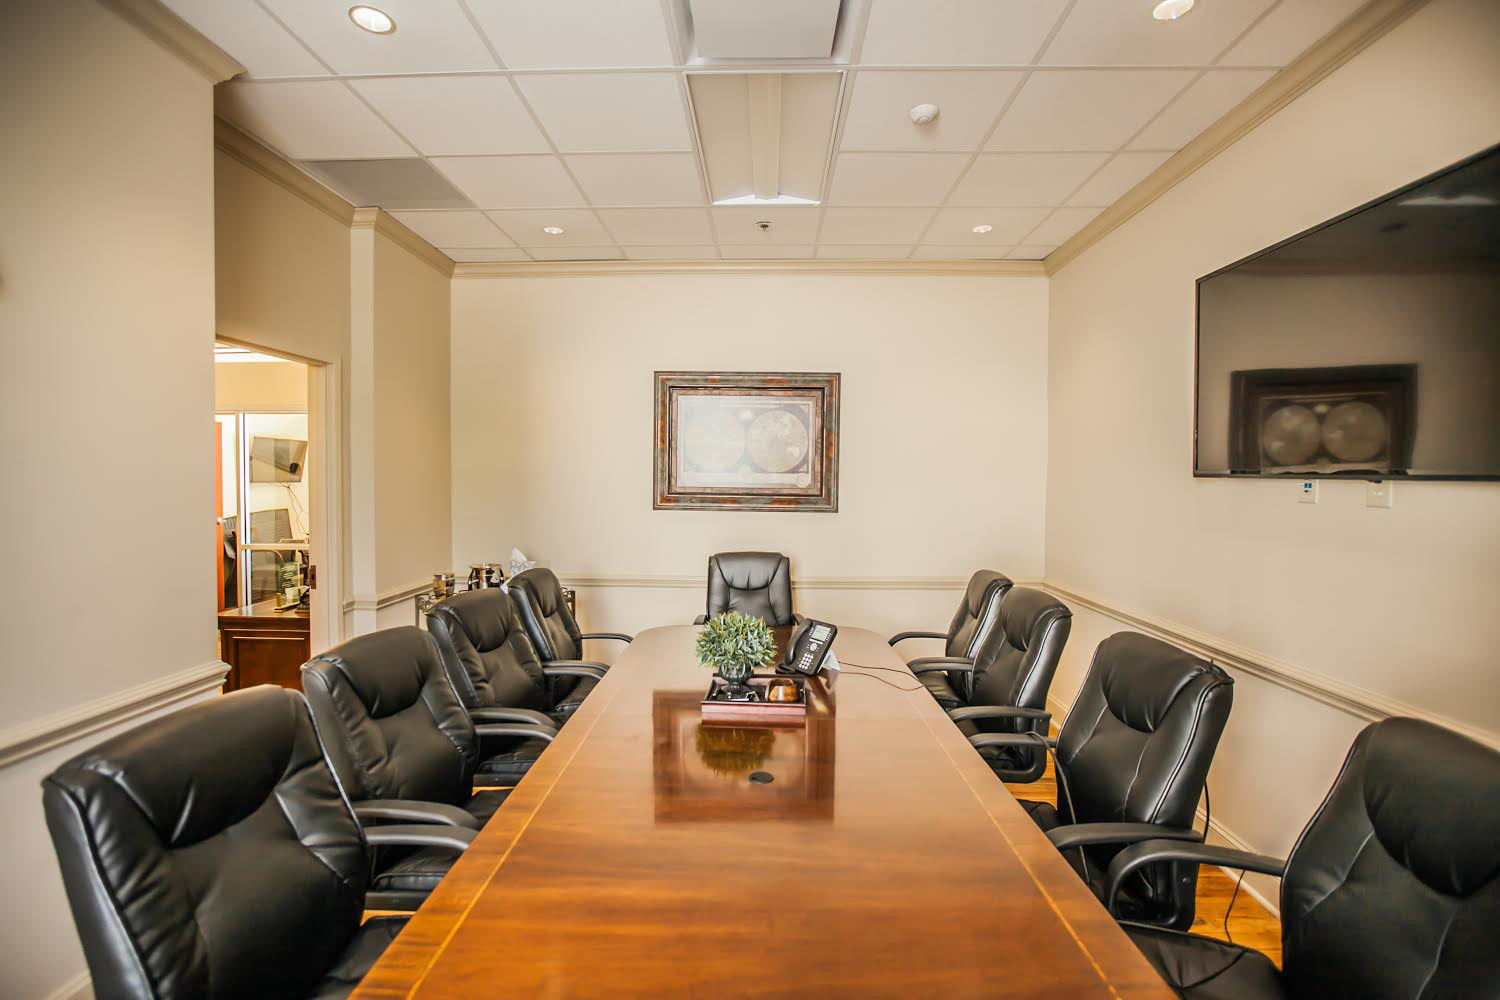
x,y
747,441
1353,419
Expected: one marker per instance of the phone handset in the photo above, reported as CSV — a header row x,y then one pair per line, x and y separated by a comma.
x,y
810,647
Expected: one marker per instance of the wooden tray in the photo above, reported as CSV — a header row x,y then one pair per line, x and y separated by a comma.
x,y
717,706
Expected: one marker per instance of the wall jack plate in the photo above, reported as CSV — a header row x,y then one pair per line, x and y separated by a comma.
x,y
1307,491
1380,494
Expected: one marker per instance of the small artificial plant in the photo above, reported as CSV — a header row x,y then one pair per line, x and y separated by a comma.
x,y
735,644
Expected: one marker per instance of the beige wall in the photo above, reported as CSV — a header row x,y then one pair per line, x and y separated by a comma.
x,y
1397,601
260,385
944,424
106,311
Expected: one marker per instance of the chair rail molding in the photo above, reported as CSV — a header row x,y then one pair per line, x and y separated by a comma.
x,y
20,742
386,598
1359,702
589,580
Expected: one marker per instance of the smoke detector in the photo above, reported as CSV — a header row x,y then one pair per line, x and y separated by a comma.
x,y
923,114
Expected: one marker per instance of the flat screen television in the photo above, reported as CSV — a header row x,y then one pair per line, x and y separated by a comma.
x,y
276,460
1366,347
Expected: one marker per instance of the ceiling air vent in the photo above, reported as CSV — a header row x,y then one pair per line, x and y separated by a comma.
x,y
392,184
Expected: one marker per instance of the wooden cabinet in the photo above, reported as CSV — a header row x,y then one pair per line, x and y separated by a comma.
x,y
264,646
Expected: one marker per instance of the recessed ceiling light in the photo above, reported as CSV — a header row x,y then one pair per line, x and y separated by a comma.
x,y
981,230
1171,10
553,230
372,20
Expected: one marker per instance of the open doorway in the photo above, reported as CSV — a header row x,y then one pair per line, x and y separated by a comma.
x,y
271,519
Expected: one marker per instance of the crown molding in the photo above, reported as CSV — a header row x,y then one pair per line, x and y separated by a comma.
x,y
176,36
273,167
1336,48
385,225
632,268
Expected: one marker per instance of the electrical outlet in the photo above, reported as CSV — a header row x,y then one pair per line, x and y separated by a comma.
x,y
1307,491
1380,494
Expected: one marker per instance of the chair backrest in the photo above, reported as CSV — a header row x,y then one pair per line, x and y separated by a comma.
x,y
1015,663
1393,890
758,584
977,612
549,624
485,651
1138,740
390,720
209,853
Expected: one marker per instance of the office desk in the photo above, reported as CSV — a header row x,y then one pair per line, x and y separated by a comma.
x,y
263,645
637,859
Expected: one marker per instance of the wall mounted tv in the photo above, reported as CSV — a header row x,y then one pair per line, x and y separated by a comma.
x,y
1367,347
276,460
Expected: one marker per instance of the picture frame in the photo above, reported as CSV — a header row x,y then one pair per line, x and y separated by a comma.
x,y
746,441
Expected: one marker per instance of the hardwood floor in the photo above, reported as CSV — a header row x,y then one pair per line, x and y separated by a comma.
x,y
1250,924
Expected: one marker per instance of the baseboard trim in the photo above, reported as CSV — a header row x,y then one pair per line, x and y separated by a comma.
x,y
386,598
1359,702
20,742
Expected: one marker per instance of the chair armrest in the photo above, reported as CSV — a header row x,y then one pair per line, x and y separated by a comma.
x,y
1149,851
941,664
501,713
548,733
1033,740
420,836
413,811
701,620
562,668
608,635
998,712
1086,834
903,636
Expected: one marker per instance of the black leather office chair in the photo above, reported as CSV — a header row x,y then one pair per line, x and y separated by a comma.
x,y
555,636
491,662
1392,891
1132,757
404,749
1012,669
758,584
974,618
210,853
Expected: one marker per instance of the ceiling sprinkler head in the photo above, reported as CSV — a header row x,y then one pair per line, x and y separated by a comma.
x,y
763,226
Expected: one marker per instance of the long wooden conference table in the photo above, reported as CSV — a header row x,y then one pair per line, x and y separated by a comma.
x,y
637,858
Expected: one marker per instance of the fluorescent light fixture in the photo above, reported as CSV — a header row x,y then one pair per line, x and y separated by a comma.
x,y
782,199
981,230
1171,10
374,21
553,230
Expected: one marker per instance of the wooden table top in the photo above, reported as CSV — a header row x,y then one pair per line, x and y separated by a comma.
x,y
262,610
637,859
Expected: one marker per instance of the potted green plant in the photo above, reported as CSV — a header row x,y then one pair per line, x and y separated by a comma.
x,y
734,645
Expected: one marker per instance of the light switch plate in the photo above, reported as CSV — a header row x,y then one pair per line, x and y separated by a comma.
x,y
1307,491
1380,494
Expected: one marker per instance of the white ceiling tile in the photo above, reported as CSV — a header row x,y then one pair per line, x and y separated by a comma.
x,y
252,36
957,32
1288,31
1030,251
580,228
879,115
1123,33
531,35
453,229
455,115
788,225
1195,109
873,225
606,112
511,181
626,180
1025,178
894,178
765,252
954,226
485,256
1060,225
972,251
431,36
309,120
1084,109
672,253
656,226
1118,176
575,253
863,252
